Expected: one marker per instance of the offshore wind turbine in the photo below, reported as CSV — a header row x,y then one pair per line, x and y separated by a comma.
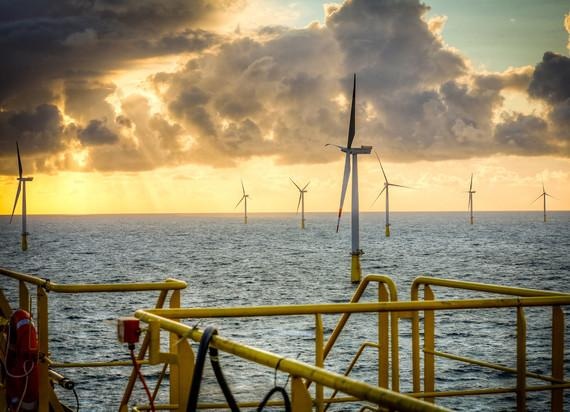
x,y
244,199
470,203
21,187
356,271
386,188
301,201
543,195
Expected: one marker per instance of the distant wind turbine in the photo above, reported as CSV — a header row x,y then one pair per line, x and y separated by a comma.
x,y
470,203
21,187
244,199
356,271
301,201
386,188
543,195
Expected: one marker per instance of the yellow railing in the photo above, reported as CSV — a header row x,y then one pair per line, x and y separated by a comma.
x,y
44,287
166,319
179,357
300,397
528,297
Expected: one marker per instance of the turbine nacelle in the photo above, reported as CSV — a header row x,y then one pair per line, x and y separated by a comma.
x,y
356,150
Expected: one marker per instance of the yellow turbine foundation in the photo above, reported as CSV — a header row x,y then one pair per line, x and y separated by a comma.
x,y
24,241
356,270
387,230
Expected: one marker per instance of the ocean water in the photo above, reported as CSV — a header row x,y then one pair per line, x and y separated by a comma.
x,y
272,261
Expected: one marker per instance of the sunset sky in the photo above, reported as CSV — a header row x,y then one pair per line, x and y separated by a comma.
x,y
152,106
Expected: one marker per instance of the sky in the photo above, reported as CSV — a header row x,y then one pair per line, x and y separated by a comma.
x,y
146,106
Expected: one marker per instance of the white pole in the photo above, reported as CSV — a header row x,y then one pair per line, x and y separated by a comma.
x,y
302,209
355,222
387,207
24,208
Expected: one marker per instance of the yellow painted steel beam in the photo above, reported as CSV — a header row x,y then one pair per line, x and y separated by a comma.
x,y
43,343
361,390
332,308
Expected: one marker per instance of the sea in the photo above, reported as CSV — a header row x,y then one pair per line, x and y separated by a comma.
x,y
272,261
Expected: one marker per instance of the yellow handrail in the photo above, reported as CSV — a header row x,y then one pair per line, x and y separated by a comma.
x,y
361,390
45,286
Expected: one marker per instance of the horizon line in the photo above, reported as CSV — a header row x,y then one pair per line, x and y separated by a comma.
x,y
280,213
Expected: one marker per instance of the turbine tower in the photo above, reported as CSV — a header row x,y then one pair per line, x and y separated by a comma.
x,y
301,201
386,188
470,203
543,195
244,199
21,187
356,270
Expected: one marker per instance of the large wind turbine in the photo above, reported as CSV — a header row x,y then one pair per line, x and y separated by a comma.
x,y
301,201
21,187
354,151
543,195
470,203
386,188
244,199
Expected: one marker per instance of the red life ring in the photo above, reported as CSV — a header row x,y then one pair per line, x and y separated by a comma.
x,y
22,376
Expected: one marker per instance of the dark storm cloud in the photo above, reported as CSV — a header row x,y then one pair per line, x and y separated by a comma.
x,y
551,78
39,130
96,133
42,41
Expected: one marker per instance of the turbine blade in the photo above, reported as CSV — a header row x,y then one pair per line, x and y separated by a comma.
x,y
352,125
542,194
344,186
16,201
243,197
306,185
471,184
299,204
296,185
378,157
20,172
393,184
242,187
378,197
335,145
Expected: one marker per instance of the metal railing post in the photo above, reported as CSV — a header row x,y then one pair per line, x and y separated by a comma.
x,y
557,395
521,360
383,340
300,397
43,339
24,296
319,359
175,395
429,345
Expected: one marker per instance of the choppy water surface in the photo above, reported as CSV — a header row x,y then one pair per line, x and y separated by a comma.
x,y
272,261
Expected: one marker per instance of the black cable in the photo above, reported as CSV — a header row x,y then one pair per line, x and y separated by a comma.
x,y
215,361
76,399
199,369
283,393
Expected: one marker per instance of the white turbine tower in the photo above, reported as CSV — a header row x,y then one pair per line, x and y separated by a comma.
x,y
356,271
301,201
386,188
21,187
244,199
470,203
543,195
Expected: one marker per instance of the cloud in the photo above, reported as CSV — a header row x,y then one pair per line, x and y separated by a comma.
x,y
274,91
96,133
